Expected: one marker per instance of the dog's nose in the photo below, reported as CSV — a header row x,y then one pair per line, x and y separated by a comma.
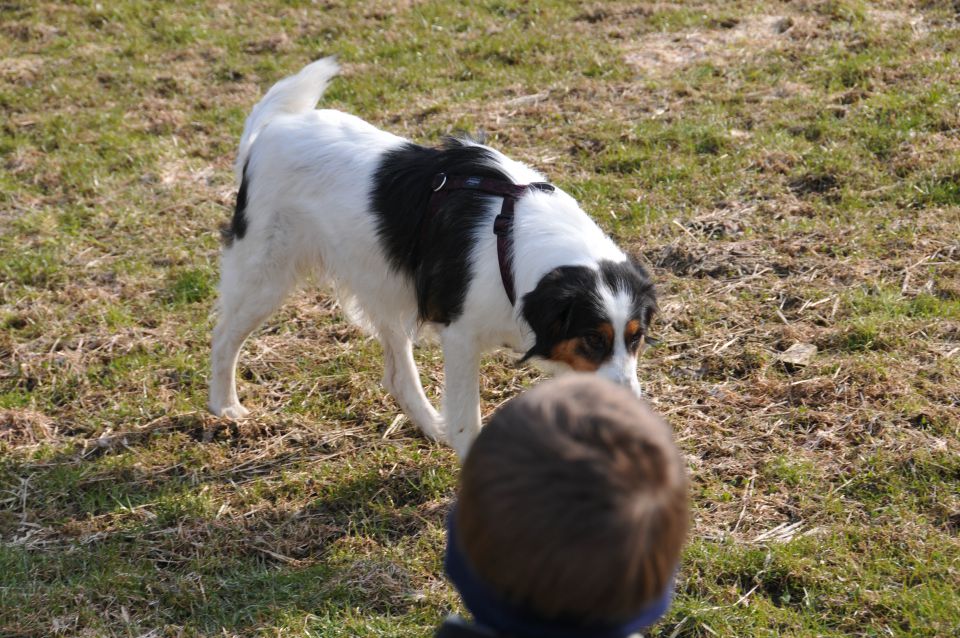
x,y
631,383
634,386
626,380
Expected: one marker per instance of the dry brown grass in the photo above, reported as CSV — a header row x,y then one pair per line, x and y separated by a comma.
x,y
787,172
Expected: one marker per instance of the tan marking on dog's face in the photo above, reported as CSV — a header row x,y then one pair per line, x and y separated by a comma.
x,y
585,353
633,335
568,352
606,330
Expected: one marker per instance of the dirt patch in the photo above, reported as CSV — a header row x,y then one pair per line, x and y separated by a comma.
x,y
25,427
22,70
663,53
25,32
382,9
739,40
714,260
604,13
274,44
814,183
161,117
725,222
887,19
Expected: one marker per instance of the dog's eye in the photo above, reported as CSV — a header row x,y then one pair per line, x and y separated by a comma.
x,y
635,340
595,342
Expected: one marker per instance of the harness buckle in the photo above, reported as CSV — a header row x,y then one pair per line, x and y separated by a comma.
x,y
543,187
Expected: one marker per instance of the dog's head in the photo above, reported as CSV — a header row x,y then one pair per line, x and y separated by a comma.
x,y
592,319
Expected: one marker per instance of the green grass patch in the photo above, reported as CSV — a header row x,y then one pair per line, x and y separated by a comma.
x,y
788,182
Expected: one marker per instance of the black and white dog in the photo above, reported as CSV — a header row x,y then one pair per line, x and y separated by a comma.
x,y
459,237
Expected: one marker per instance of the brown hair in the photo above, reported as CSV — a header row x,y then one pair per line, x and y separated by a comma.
x,y
573,502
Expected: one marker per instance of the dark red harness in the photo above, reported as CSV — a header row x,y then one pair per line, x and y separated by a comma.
x,y
502,225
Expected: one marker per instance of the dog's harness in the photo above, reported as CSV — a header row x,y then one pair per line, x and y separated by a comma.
x,y
502,225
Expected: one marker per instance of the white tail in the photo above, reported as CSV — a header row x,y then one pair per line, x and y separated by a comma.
x,y
295,94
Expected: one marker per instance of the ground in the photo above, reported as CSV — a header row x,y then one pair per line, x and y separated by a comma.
x,y
789,172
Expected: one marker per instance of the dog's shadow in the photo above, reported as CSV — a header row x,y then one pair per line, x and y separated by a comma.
x,y
364,538
342,553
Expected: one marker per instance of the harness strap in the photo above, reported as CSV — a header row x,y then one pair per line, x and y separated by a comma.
x,y
502,225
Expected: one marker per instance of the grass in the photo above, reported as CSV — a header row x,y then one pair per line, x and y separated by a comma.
x,y
787,171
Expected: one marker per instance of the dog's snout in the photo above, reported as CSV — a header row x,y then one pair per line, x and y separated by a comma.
x,y
631,384
622,378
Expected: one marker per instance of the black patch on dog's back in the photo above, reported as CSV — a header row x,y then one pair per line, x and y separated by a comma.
x,y
238,225
434,252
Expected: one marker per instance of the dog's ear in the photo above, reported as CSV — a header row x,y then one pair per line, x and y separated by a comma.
x,y
548,308
649,312
644,286
461,137
554,331
637,260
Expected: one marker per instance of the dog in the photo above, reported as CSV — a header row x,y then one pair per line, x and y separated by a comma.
x,y
459,237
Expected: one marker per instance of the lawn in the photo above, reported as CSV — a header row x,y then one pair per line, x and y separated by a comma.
x,y
789,171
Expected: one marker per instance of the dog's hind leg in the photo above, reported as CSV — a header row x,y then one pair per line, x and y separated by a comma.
x,y
461,392
402,381
249,292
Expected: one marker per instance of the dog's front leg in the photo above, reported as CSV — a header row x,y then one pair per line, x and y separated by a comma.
x,y
401,379
461,392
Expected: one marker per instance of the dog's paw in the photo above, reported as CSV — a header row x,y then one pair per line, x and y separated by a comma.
x,y
232,412
434,430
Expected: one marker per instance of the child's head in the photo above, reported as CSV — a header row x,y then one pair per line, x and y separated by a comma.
x,y
573,505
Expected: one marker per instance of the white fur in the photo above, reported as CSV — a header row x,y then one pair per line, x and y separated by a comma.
x,y
621,368
313,217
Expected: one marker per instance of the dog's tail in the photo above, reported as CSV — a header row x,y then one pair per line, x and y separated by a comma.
x,y
295,94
